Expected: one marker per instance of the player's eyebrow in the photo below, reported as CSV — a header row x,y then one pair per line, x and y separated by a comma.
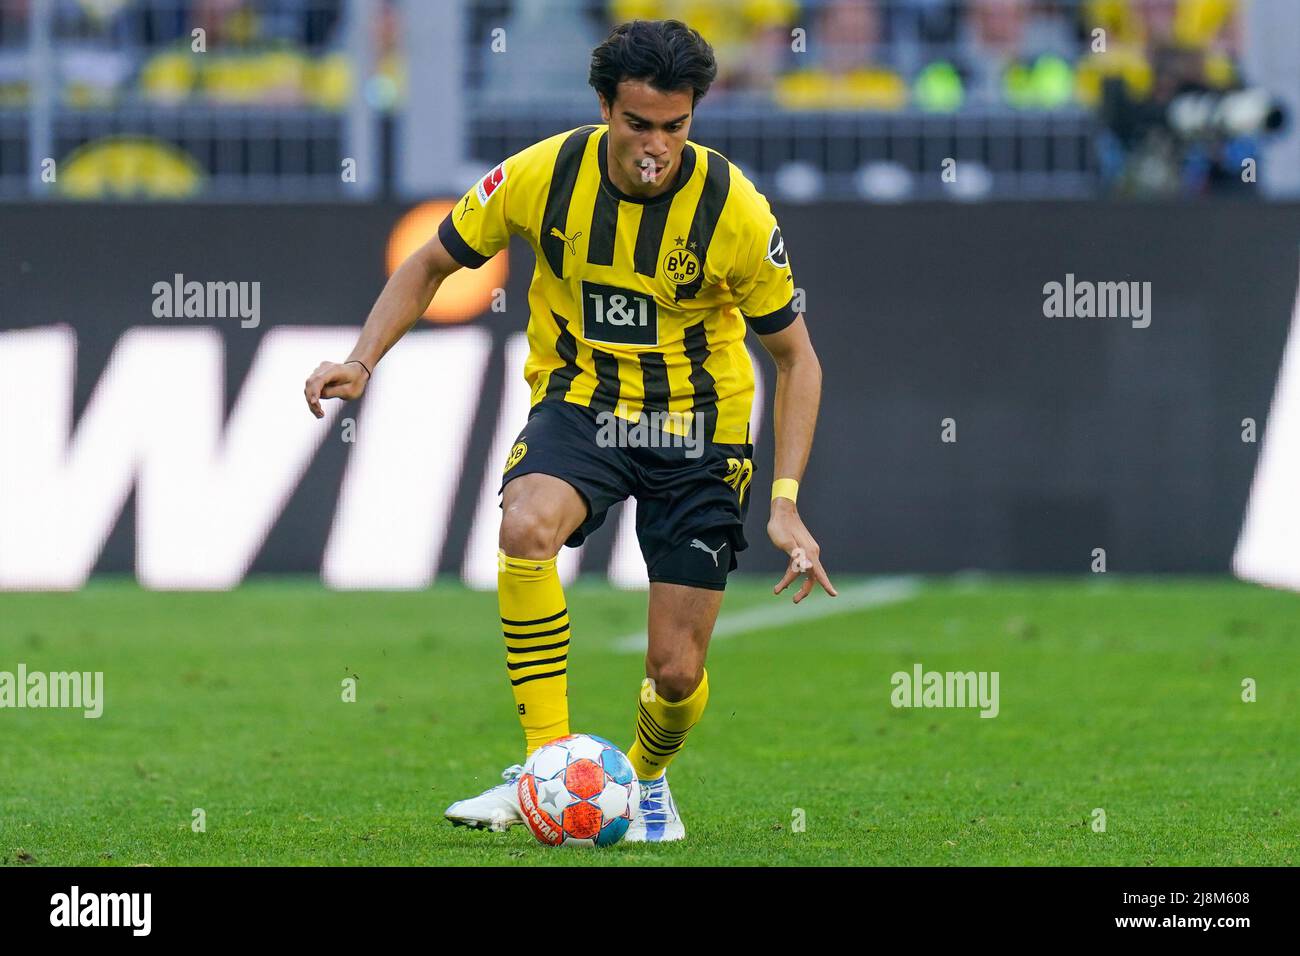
x,y
628,114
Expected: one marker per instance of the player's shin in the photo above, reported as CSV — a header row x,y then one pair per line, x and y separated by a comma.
x,y
662,726
535,621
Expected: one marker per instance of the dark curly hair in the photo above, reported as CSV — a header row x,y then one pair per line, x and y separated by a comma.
x,y
667,54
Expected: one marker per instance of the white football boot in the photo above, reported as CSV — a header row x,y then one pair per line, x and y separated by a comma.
x,y
657,819
496,808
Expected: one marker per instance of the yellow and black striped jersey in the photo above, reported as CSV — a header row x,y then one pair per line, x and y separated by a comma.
x,y
635,304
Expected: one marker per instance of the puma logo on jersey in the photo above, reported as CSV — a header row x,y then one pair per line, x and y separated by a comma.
x,y
713,553
568,242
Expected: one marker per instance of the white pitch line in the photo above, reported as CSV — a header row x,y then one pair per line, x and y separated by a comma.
x,y
875,593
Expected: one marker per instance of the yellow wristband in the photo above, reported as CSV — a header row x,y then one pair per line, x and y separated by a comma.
x,y
785,488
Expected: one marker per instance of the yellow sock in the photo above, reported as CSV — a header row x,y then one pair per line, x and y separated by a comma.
x,y
535,621
662,726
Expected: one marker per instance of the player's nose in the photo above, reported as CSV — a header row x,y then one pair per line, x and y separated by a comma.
x,y
656,148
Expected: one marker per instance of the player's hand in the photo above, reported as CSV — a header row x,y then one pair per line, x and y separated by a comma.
x,y
788,533
330,380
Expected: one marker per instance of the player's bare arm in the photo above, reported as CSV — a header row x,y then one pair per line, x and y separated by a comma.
x,y
798,396
403,300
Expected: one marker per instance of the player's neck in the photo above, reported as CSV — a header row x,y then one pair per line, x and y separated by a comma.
x,y
640,189
627,187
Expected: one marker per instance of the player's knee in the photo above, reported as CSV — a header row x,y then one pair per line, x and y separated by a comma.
x,y
529,533
675,680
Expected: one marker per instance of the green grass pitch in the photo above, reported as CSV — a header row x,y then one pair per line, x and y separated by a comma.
x,y
1118,694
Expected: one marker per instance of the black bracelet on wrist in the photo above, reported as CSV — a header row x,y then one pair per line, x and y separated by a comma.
x,y
358,362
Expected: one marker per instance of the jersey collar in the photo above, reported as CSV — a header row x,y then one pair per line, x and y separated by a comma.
x,y
683,174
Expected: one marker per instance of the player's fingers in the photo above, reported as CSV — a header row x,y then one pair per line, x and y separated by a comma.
x,y
333,381
797,566
790,575
311,392
805,589
335,391
820,573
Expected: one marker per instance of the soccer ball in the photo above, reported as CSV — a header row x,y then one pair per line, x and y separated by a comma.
x,y
578,790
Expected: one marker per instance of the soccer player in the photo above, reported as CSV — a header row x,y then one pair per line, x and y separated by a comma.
x,y
654,256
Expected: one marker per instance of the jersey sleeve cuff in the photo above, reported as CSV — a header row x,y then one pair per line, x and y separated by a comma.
x,y
458,248
773,321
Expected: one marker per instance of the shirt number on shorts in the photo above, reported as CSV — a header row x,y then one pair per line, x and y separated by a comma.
x,y
739,473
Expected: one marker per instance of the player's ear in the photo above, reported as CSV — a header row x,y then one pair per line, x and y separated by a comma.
x,y
604,107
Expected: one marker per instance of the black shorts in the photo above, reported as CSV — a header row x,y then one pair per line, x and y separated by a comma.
x,y
690,502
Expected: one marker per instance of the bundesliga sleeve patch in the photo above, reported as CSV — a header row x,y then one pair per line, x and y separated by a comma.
x,y
489,183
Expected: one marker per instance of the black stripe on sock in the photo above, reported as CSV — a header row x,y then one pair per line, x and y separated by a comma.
x,y
655,724
540,647
541,620
658,753
524,680
520,665
670,747
559,630
655,752
564,176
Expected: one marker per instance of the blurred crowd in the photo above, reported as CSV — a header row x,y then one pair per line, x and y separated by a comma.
x,y
1163,77
935,55
1135,64
256,52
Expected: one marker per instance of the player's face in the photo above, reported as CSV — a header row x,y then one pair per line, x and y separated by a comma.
x,y
647,133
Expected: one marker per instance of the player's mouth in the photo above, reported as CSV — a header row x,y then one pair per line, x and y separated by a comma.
x,y
650,170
